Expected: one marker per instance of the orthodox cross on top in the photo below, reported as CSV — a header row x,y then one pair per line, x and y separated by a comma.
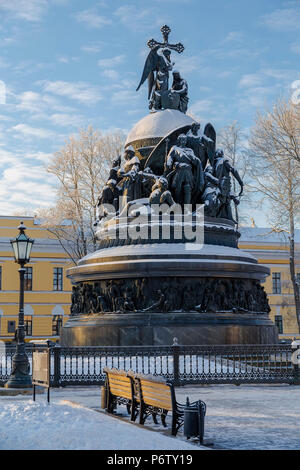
x,y
152,43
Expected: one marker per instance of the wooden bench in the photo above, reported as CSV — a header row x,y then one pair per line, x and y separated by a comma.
x,y
120,389
147,396
157,397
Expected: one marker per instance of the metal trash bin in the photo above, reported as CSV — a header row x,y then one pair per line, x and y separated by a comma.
x,y
194,419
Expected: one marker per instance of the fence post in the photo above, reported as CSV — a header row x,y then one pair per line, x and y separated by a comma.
x,y
295,346
176,353
56,355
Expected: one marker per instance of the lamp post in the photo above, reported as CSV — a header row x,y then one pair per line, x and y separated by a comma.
x,y
20,377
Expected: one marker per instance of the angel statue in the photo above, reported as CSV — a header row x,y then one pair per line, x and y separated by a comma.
x,y
156,69
159,62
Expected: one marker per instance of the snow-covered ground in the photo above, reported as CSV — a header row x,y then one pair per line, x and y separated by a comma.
x,y
64,425
245,417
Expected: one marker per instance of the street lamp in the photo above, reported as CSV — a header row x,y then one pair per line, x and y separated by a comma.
x,y
20,377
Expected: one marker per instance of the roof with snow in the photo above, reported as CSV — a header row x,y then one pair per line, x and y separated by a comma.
x,y
158,124
265,235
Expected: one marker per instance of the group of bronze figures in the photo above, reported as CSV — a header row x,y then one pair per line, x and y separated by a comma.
x,y
194,173
157,67
169,295
188,172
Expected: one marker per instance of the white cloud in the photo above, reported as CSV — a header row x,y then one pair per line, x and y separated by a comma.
x,y
135,18
29,10
39,156
28,131
250,80
30,101
78,91
285,19
257,88
7,157
112,61
234,36
124,97
201,106
24,186
256,79
279,74
67,120
40,104
225,73
63,60
91,18
92,48
256,97
5,118
111,74
186,64
7,41
207,110
234,52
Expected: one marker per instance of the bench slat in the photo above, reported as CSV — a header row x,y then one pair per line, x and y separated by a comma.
x,y
156,396
121,389
166,405
156,393
154,384
118,378
121,394
121,384
147,386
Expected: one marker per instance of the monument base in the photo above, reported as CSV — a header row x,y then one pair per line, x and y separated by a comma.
x,y
154,329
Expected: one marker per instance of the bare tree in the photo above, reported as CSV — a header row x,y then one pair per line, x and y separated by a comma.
x,y
231,139
275,164
81,166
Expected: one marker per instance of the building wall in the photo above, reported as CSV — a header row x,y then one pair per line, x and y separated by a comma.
x,y
43,304
272,250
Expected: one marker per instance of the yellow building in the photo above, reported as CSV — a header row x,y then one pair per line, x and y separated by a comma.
x,y
47,290
272,250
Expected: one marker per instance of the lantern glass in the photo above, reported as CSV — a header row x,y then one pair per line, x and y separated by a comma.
x,y
15,248
22,246
28,250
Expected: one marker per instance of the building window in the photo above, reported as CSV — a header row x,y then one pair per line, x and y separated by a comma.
x,y
56,325
28,325
11,326
276,277
58,279
28,278
279,323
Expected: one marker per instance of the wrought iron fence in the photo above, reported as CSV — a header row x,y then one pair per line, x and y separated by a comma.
x,y
225,364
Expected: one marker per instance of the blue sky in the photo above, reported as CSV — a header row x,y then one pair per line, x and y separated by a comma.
x,y
69,63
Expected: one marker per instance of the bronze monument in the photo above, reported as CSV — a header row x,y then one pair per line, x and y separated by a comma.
x,y
168,263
